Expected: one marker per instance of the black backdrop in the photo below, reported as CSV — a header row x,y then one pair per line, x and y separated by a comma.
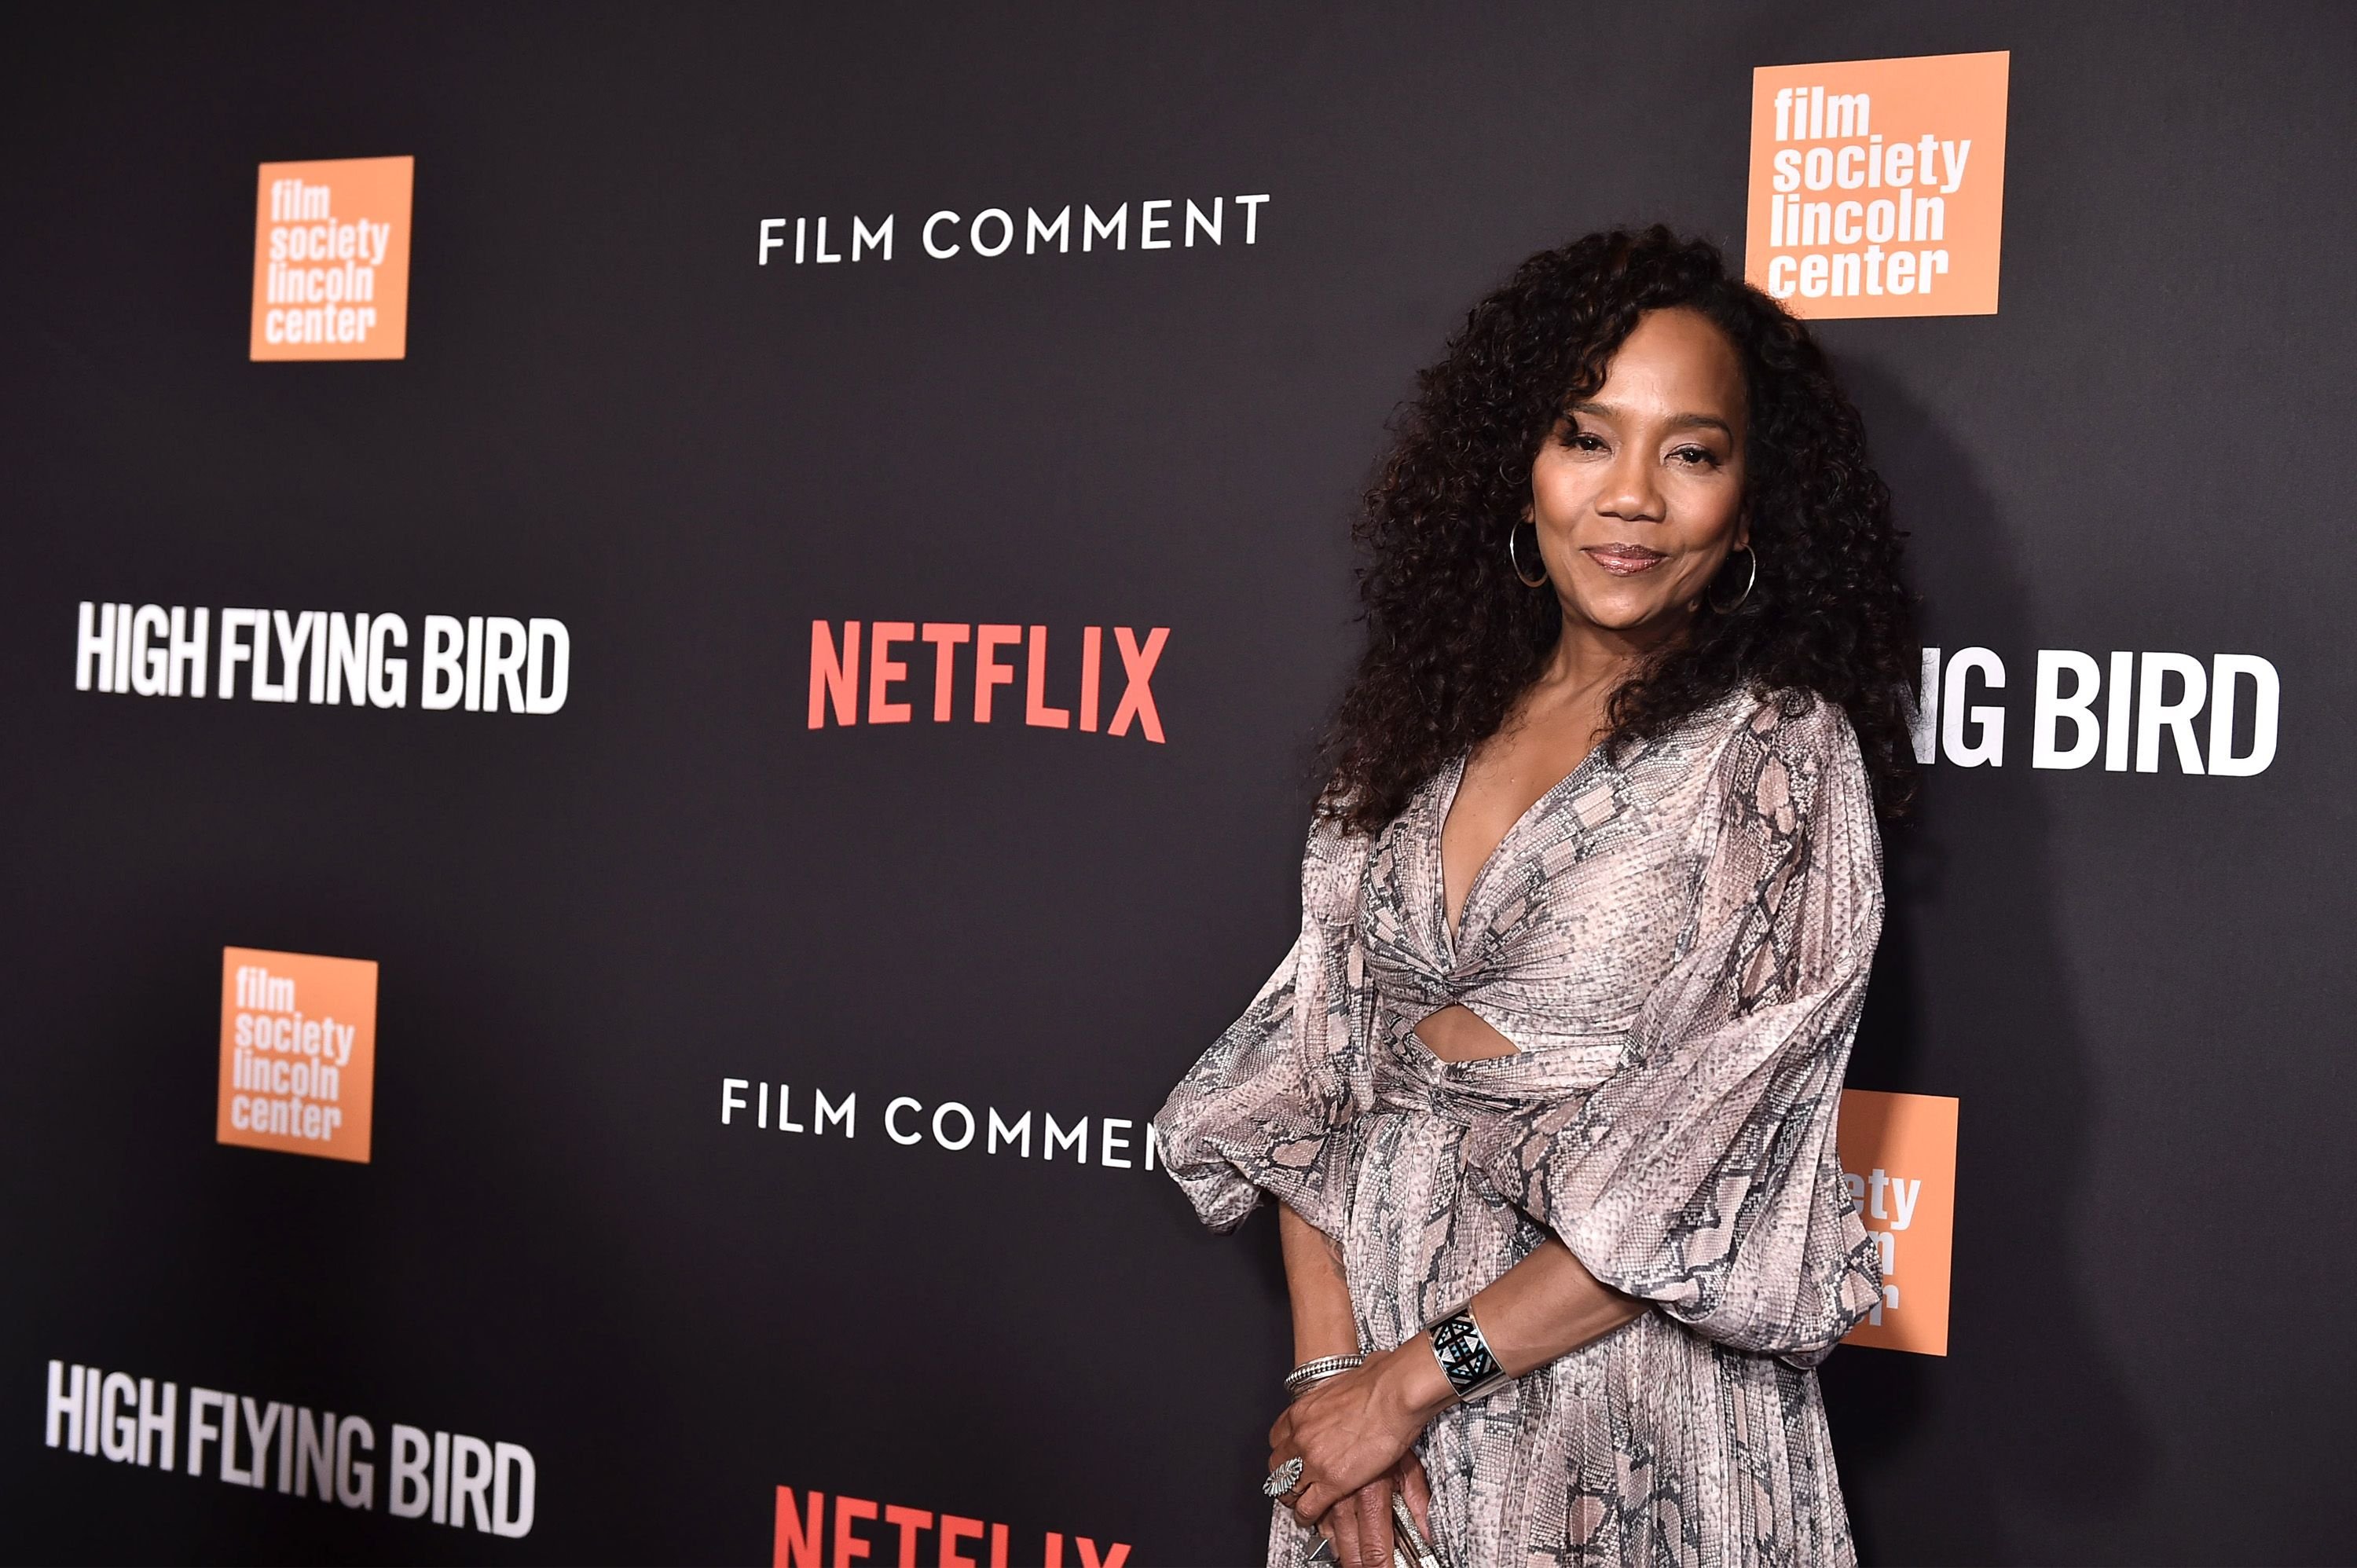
x,y
612,414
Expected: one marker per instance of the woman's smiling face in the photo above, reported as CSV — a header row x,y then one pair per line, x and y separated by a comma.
x,y
1638,493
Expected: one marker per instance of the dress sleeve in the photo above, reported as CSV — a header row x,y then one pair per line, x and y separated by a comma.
x,y
1266,1107
1701,1176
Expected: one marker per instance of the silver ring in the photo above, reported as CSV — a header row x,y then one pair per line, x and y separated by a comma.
x,y
1283,1479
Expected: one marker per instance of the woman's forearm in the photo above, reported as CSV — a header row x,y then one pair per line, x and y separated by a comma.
x,y
1544,1306
1323,1324
1548,1305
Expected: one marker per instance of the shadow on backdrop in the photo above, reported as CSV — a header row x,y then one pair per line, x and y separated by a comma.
x,y
2040,1411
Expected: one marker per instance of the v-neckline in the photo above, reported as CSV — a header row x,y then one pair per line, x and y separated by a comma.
x,y
1452,928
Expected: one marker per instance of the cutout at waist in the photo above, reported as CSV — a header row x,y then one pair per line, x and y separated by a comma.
x,y
1458,1034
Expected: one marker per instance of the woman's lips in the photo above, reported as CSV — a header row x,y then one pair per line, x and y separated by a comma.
x,y
1625,559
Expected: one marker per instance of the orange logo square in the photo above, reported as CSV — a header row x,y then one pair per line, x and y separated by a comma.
x,y
1898,1160
331,259
1878,186
297,1053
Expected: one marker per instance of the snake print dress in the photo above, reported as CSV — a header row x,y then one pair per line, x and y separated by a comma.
x,y
1677,940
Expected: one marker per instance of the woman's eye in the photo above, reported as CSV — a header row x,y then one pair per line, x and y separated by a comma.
x,y
1581,440
1695,457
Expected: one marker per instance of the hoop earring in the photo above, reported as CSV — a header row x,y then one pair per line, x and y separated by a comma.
x,y
1514,556
1749,583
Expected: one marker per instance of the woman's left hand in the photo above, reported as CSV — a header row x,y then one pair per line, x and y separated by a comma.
x,y
1350,1430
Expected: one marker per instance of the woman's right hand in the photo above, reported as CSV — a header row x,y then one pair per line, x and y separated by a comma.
x,y
1350,1430
1360,1525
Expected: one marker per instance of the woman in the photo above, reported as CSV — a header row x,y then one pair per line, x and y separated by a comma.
x,y
1546,1088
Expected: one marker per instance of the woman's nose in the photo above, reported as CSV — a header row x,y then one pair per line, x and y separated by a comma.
x,y
1631,492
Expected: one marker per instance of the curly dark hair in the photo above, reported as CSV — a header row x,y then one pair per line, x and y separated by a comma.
x,y
1454,637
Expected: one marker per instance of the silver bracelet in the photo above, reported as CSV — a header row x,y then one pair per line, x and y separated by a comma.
x,y
1465,1355
1310,1373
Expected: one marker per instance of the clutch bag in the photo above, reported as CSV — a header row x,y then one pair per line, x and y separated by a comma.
x,y
1409,1548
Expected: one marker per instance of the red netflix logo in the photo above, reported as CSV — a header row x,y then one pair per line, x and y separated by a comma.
x,y
961,1542
835,683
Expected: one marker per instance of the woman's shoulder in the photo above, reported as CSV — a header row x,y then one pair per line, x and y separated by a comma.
x,y
1794,719
1331,863
1788,732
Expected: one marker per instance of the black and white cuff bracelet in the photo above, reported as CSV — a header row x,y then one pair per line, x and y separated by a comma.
x,y
1465,1355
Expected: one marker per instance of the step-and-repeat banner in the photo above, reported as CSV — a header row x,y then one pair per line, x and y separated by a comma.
x,y
662,667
